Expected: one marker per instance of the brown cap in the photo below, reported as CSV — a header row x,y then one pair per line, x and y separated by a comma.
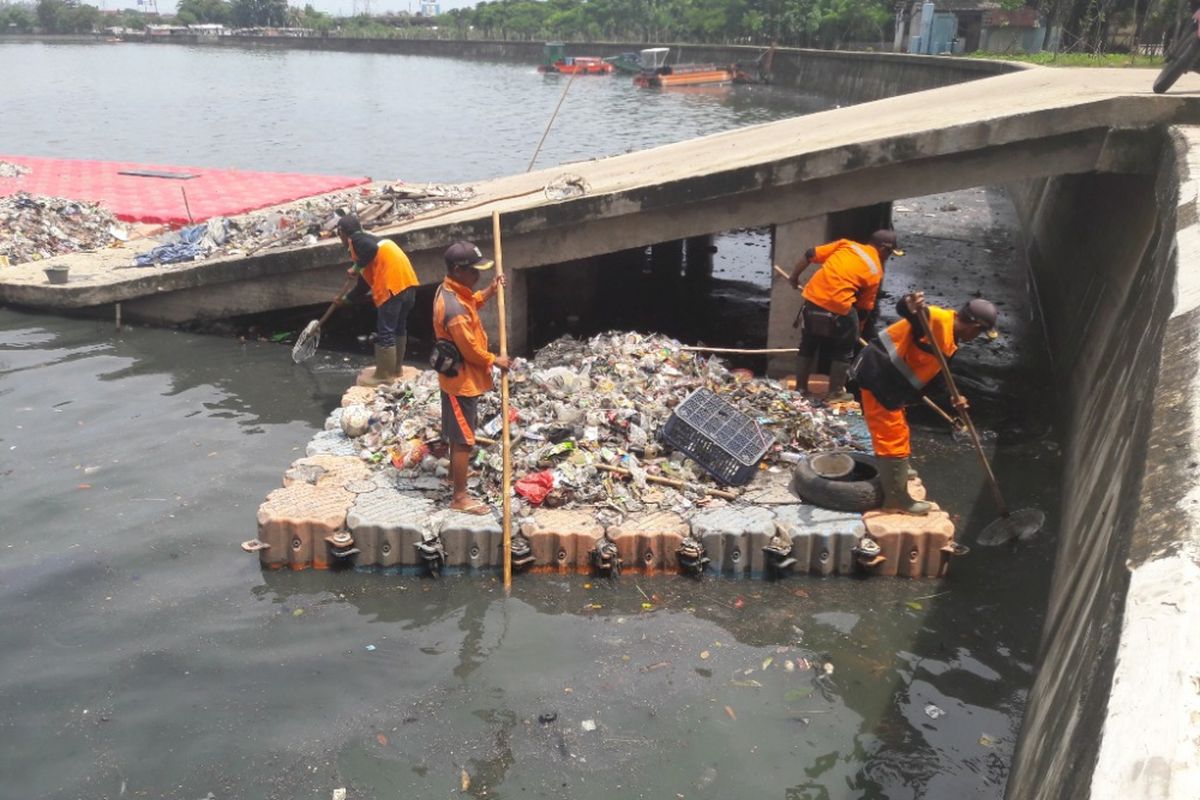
x,y
982,313
465,254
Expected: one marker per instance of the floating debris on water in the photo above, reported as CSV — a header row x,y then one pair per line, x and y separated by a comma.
x,y
36,227
579,410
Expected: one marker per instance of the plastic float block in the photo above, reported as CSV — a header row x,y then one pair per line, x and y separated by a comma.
x,y
363,395
562,540
913,545
473,541
327,470
821,539
734,537
334,443
386,525
294,522
367,374
647,542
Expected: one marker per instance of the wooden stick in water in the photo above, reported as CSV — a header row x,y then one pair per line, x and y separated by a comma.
x,y
506,486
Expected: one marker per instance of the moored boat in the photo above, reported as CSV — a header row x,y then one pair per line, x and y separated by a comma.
x,y
655,72
555,61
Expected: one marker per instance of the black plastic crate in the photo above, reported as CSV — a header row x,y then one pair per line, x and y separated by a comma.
x,y
718,437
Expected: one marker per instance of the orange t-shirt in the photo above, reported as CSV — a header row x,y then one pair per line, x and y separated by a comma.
x,y
456,317
389,273
850,275
898,340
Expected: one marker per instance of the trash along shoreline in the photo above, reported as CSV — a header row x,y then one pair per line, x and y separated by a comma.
x,y
600,484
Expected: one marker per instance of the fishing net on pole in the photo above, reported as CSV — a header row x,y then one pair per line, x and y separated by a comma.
x,y
306,343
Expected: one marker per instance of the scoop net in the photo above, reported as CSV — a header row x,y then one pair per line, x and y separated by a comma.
x,y
306,343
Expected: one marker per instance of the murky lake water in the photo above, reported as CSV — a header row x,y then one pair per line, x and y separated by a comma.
x,y
142,654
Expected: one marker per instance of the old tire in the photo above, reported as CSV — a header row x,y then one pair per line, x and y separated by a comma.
x,y
857,492
1178,64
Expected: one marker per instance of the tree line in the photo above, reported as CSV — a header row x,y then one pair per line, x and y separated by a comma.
x,y
1085,24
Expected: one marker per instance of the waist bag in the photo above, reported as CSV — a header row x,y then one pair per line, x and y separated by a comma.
x,y
874,371
445,358
820,322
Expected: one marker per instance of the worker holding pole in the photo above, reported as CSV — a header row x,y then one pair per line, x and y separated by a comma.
x,y
894,370
838,300
462,360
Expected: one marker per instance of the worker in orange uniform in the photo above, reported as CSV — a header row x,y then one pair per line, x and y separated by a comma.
x,y
838,300
384,272
894,370
462,360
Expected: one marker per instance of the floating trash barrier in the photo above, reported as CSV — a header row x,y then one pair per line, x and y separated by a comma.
x,y
598,487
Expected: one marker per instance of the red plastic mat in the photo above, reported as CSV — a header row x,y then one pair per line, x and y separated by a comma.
x,y
145,198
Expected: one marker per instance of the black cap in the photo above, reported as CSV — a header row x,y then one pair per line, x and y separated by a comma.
x,y
363,246
348,225
982,313
465,254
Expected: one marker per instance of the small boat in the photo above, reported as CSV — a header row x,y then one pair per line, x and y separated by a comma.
x,y
625,62
555,62
656,73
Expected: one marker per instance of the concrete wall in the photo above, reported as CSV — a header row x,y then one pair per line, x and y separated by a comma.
x,y
1115,709
842,76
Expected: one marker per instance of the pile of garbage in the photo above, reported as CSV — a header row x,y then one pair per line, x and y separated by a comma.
x,y
11,170
302,223
34,227
585,418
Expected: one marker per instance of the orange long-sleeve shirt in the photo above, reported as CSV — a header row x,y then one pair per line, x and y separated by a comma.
x,y
456,317
849,276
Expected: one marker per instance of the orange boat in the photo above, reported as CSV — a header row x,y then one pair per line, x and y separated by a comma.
x,y
657,73
555,62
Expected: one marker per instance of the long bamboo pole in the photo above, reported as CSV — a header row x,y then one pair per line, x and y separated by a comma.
x,y
506,486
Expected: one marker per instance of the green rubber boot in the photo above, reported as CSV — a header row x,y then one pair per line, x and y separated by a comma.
x,y
837,382
893,474
385,366
804,368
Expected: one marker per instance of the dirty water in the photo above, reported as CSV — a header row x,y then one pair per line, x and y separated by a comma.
x,y
142,654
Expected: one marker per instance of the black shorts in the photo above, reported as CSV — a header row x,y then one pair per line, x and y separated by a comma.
x,y
459,419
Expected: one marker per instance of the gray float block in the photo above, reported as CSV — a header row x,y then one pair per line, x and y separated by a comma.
x,y
332,443
734,537
334,421
386,525
472,541
821,539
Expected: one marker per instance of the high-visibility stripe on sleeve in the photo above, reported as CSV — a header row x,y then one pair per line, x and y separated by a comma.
x,y
870,262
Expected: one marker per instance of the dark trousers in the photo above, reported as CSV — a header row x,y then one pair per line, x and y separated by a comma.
x,y
391,318
820,328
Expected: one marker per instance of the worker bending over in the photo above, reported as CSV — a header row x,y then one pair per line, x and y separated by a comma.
x,y
384,272
894,370
838,299
462,360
